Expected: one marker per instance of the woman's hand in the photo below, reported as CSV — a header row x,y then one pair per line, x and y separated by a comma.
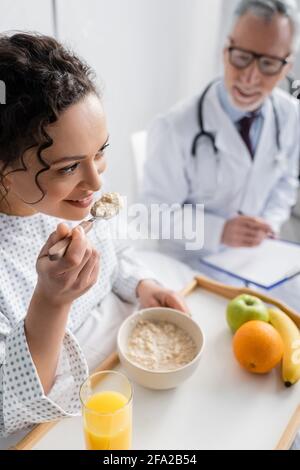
x,y
61,282
151,294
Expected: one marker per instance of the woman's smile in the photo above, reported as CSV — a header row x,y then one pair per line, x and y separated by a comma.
x,y
81,203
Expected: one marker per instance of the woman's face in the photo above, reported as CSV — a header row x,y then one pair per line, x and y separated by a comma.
x,y
76,161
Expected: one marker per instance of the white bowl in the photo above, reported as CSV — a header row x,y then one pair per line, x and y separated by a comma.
x,y
161,380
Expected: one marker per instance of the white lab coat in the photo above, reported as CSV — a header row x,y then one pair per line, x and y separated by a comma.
x,y
229,182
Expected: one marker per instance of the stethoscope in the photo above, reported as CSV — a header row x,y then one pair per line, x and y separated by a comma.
x,y
211,136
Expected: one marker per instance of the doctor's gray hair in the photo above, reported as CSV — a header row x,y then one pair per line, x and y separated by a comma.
x,y
268,8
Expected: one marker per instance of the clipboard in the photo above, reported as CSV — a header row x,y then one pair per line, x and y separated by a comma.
x,y
268,266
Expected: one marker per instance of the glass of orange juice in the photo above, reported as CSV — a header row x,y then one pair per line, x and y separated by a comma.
x,y
106,399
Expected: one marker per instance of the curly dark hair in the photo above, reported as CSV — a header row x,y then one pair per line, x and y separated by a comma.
x,y
42,78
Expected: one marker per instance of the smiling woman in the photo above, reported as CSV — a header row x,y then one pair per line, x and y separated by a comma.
x,y
51,185
64,100
53,136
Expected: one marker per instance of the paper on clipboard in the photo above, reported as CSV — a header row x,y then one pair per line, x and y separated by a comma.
x,y
266,266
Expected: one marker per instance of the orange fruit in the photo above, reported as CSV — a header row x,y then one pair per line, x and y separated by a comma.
x,y
258,347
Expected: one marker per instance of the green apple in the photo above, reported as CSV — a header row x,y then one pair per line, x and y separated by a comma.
x,y
245,308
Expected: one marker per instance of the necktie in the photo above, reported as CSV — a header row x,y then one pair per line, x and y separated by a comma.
x,y
245,128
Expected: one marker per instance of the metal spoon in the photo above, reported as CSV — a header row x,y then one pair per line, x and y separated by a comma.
x,y
58,250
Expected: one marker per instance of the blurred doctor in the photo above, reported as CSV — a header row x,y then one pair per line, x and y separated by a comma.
x,y
234,148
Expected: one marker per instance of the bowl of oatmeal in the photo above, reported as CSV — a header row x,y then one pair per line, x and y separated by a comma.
x,y
160,347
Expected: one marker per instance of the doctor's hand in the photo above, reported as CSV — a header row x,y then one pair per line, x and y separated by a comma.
x,y
244,231
151,294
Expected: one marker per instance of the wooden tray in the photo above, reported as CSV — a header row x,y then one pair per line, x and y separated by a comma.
x,y
214,287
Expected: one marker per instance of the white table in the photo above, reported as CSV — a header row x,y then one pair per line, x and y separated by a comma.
x,y
219,407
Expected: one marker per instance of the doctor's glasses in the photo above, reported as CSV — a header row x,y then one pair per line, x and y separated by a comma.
x,y
268,65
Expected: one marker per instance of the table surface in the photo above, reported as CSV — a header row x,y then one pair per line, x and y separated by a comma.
x,y
219,407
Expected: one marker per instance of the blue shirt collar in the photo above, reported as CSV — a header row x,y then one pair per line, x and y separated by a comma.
x,y
234,113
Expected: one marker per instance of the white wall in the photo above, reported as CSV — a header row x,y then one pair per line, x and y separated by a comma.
x,y
148,53
33,15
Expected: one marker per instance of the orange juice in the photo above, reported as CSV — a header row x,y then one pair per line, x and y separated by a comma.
x,y
107,422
